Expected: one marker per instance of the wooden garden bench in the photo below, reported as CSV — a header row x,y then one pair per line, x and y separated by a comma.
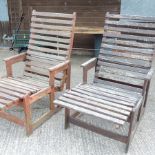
x,y
48,53
122,76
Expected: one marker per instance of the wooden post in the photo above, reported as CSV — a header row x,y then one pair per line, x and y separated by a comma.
x,y
28,115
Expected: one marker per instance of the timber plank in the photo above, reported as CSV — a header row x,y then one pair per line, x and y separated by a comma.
x,y
89,112
83,98
106,99
93,108
105,96
52,14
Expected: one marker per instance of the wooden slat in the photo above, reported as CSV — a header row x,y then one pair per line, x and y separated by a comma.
x,y
51,32
127,55
125,61
50,51
37,77
122,72
50,38
51,27
121,79
10,80
52,14
17,86
49,44
131,49
93,108
89,112
12,93
112,92
131,24
83,98
119,66
33,82
5,102
46,56
6,96
38,71
51,21
133,17
106,100
130,30
106,96
42,60
118,85
124,42
129,36
9,87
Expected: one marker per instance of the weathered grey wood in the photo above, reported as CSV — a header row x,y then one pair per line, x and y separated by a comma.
x,y
52,14
50,44
130,30
9,87
89,112
54,21
119,66
46,56
83,98
131,49
125,61
51,32
132,23
133,17
136,37
114,93
50,38
93,108
105,99
51,27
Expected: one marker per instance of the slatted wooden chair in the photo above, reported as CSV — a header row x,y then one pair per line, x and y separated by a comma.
x,y
122,76
49,52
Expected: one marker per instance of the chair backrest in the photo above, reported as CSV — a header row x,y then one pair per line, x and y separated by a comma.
x,y
127,51
51,41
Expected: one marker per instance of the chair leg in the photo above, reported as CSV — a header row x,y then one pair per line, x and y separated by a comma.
x,y
130,132
28,116
51,97
67,114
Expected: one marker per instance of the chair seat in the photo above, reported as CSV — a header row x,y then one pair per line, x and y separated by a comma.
x,y
107,102
14,89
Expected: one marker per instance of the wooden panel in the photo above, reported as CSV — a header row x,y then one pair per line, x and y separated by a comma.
x,y
94,100
127,50
90,16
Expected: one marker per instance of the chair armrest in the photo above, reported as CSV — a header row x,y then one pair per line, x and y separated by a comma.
x,y
62,67
12,60
87,66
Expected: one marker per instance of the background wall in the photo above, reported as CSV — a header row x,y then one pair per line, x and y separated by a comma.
x,y
138,7
90,13
4,19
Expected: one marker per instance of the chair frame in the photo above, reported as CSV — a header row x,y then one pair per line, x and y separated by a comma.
x,y
28,100
138,110
134,119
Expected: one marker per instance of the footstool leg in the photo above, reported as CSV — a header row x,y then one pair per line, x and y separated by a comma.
x,y
67,114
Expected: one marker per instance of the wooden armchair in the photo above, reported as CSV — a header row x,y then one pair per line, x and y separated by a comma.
x,y
121,82
47,67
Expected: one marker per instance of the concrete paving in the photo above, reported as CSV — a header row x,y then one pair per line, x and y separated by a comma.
x,y
52,139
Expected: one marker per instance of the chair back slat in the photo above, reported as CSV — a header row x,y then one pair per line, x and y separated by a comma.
x,y
127,50
51,41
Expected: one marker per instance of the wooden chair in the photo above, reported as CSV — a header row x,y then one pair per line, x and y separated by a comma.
x,y
47,59
122,76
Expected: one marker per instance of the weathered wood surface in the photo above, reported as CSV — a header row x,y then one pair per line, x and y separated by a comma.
x,y
127,50
119,89
47,67
101,102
